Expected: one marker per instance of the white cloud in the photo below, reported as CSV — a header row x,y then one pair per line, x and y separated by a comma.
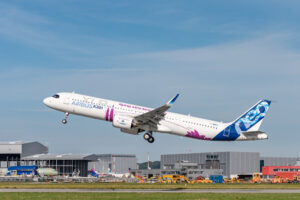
x,y
35,31
265,53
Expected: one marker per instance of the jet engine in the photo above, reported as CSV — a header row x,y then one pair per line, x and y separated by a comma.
x,y
123,122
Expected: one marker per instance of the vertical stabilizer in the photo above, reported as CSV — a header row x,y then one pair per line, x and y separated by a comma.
x,y
252,119
249,121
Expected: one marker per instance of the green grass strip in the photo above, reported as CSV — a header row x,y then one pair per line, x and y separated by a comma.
x,y
150,196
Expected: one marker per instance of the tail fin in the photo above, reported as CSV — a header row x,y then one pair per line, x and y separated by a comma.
x,y
252,119
94,173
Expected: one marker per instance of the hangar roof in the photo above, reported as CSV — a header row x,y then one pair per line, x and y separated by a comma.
x,y
12,142
22,148
61,157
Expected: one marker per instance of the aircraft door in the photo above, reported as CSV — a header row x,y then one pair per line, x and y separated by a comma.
x,y
66,100
226,132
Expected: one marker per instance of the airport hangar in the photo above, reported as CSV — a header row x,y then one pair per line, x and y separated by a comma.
x,y
35,153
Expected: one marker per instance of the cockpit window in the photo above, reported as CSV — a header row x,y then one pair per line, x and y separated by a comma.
x,y
56,96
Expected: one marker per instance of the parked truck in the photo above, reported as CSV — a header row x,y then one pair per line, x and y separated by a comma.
x,y
216,178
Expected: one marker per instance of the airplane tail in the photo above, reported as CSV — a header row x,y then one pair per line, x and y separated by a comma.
x,y
252,119
93,173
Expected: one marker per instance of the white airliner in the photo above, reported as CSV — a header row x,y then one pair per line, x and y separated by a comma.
x,y
100,175
135,119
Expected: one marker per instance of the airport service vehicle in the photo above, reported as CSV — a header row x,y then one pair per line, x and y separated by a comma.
x,y
135,119
201,179
139,179
257,178
174,178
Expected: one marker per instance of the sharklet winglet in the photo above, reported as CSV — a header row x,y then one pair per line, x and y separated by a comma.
x,y
173,100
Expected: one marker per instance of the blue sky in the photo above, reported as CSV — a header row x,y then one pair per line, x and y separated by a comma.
x,y
221,56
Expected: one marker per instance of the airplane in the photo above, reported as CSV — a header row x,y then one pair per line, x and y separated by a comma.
x,y
97,174
134,119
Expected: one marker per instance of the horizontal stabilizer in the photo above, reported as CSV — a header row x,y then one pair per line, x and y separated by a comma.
x,y
252,133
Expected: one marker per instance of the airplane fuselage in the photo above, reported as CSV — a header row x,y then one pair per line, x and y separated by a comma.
x,y
119,112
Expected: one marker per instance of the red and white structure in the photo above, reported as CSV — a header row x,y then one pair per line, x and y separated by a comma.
x,y
288,172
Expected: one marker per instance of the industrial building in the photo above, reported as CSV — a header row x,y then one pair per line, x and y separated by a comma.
x,y
188,169
284,167
114,163
231,163
64,164
278,161
288,172
35,153
12,152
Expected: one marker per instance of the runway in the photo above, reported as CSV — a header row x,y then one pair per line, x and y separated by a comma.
x,y
157,190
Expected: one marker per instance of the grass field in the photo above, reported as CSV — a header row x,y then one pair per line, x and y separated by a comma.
x,y
190,196
163,196
144,186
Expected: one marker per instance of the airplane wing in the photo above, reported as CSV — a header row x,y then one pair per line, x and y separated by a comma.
x,y
154,116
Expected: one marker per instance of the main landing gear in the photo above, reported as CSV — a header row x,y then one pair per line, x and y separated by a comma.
x,y
148,136
65,120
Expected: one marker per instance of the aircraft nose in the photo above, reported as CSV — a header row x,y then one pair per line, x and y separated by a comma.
x,y
46,101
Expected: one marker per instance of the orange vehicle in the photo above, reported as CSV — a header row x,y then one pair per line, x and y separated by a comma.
x,y
296,179
231,180
171,178
277,179
139,179
256,178
201,179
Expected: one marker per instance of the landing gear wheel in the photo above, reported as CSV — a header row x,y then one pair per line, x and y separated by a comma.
x,y
151,140
147,136
64,121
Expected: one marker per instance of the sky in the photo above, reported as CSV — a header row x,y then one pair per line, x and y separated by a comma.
x,y
221,56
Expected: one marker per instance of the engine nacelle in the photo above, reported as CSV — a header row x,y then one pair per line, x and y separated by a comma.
x,y
123,122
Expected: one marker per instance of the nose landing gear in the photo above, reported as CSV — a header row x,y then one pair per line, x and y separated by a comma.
x,y
65,120
148,136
